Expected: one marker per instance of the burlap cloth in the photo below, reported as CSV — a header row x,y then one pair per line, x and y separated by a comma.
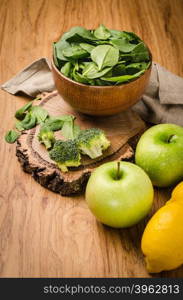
x,y
162,101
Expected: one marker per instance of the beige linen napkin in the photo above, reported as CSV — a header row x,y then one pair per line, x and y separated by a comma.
x,y
162,101
34,79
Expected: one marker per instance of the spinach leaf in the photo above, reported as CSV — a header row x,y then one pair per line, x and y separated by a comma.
x,y
20,113
56,123
100,82
102,42
135,67
117,34
92,71
70,130
11,136
87,47
102,33
105,56
118,70
123,78
84,64
74,51
139,65
19,126
121,62
76,130
29,121
64,123
123,45
40,113
58,48
131,36
140,53
78,34
66,69
80,78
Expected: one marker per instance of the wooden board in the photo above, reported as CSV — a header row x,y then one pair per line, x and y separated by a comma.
x,y
34,158
43,234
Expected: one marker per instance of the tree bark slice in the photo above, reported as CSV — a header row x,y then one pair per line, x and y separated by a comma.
x,y
123,130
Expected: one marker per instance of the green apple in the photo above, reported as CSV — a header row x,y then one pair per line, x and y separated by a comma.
x,y
160,153
119,194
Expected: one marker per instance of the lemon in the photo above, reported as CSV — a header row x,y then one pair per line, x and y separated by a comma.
x,y
177,193
162,240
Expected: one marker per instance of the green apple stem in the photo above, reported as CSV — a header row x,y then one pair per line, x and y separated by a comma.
x,y
118,171
170,138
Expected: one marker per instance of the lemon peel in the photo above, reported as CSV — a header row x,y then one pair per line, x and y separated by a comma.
x,y
162,240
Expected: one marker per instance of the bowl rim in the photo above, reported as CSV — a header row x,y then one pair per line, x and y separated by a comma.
x,y
99,86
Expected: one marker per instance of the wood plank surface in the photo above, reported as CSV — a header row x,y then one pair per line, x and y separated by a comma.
x,y
41,233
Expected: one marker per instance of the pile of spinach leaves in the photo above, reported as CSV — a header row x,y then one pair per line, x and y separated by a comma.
x,y
29,116
101,56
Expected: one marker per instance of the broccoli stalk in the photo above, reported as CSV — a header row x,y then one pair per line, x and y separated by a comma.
x,y
65,154
46,137
92,142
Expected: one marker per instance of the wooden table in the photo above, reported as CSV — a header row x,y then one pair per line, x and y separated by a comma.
x,y
41,233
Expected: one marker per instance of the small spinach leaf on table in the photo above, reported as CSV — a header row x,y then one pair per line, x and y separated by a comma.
x,y
39,113
70,130
56,123
11,136
19,126
20,113
29,121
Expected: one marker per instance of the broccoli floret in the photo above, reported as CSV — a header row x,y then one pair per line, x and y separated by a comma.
x,y
65,154
92,142
46,137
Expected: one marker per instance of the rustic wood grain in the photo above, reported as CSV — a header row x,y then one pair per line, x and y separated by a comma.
x,y
43,234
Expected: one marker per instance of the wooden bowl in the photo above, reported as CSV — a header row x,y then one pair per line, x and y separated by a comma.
x,y
100,100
